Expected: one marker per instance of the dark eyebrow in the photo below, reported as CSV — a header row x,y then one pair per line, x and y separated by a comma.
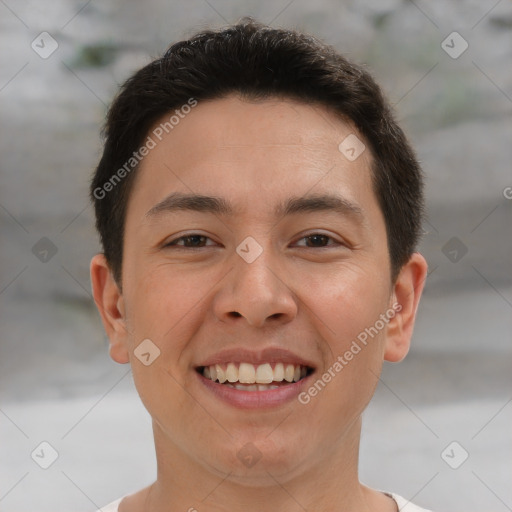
x,y
316,203
218,205
194,202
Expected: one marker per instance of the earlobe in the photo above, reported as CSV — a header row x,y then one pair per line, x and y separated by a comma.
x,y
110,303
405,299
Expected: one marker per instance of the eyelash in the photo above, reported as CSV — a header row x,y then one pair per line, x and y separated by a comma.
x,y
173,243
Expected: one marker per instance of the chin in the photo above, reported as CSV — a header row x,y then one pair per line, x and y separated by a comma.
x,y
257,463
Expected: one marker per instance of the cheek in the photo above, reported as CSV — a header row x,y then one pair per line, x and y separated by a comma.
x,y
162,306
347,302
349,310
163,303
165,307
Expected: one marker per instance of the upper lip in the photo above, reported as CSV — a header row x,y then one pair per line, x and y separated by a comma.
x,y
267,355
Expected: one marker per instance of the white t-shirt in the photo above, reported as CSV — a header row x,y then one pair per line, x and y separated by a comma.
x,y
403,505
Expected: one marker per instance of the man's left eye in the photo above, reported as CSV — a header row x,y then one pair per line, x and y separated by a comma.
x,y
318,240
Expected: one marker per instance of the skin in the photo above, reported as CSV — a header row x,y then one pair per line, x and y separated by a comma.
x,y
192,302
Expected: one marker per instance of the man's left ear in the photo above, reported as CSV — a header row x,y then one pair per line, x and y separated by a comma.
x,y
405,299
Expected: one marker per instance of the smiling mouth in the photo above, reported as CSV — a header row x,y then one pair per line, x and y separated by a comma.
x,y
248,377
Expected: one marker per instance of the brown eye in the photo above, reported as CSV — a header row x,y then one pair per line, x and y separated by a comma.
x,y
318,240
189,241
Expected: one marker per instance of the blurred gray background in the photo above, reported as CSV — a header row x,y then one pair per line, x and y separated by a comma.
x,y
62,62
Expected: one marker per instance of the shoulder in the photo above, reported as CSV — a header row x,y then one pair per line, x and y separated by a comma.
x,y
111,507
405,505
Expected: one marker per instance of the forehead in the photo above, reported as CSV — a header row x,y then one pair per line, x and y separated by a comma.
x,y
233,147
232,124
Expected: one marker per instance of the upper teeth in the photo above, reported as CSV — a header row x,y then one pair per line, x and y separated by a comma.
x,y
247,373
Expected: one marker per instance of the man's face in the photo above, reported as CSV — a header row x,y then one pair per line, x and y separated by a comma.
x,y
276,280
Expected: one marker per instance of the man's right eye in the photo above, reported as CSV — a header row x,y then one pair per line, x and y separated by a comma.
x,y
189,241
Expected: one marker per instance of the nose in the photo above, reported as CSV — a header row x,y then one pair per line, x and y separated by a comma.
x,y
258,291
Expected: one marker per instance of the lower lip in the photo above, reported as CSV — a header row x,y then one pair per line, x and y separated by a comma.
x,y
254,399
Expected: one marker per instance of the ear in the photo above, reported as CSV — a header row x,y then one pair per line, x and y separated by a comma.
x,y
110,303
405,298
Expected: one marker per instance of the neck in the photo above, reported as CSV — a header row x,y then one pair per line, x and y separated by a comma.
x,y
325,482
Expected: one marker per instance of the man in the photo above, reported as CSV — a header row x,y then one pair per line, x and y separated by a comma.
x,y
259,210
